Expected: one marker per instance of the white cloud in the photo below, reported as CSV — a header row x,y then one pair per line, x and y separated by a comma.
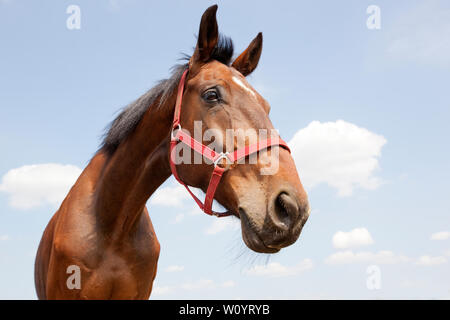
x,y
431,261
381,257
409,283
228,284
174,268
442,235
4,237
275,269
356,238
171,196
39,184
178,218
340,154
420,35
176,196
222,224
161,290
198,285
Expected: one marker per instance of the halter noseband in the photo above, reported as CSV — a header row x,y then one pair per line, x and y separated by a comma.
x,y
178,135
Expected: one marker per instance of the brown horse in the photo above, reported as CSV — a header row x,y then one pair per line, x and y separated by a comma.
x,y
103,227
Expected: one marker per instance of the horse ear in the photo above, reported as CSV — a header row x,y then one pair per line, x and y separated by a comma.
x,y
248,60
208,35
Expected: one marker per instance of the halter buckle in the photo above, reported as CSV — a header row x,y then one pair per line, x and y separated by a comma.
x,y
222,155
178,127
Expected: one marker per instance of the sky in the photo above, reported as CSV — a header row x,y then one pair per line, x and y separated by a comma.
x,y
364,107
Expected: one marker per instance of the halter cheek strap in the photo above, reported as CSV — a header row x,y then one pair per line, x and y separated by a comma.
x,y
179,136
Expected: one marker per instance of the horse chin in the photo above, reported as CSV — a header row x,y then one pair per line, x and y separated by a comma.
x,y
251,237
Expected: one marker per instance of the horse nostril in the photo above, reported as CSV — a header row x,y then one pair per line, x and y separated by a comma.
x,y
286,209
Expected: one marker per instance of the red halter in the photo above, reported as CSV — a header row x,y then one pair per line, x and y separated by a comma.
x,y
178,135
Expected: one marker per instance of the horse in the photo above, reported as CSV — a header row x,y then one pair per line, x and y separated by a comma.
x,y
103,228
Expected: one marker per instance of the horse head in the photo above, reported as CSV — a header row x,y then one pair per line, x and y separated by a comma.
x,y
263,188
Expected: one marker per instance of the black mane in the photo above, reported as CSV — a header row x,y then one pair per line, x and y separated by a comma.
x,y
223,51
128,119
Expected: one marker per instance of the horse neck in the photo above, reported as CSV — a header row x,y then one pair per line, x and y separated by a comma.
x,y
135,170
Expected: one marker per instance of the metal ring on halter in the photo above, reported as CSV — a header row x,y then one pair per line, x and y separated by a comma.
x,y
173,129
222,155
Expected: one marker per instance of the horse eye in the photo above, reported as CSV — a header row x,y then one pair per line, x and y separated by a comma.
x,y
211,96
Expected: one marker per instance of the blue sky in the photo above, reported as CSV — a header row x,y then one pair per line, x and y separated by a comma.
x,y
365,111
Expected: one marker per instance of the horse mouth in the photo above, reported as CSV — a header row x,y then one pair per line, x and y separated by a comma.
x,y
251,237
